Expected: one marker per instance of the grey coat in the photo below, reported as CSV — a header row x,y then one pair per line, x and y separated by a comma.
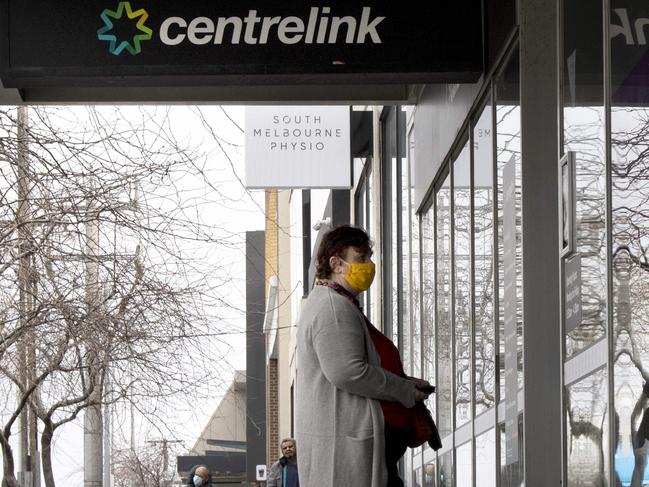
x,y
339,422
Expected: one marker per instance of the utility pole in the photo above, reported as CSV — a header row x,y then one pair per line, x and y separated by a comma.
x,y
29,474
92,422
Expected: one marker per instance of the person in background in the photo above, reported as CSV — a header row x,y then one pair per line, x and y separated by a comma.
x,y
283,473
353,398
199,476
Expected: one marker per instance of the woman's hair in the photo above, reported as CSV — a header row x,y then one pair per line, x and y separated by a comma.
x,y
334,242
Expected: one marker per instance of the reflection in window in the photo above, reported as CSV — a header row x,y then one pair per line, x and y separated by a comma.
x,y
462,294
428,301
416,281
485,459
446,470
395,257
417,480
587,431
630,238
430,476
483,278
390,226
508,148
444,331
512,475
583,121
464,466
405,271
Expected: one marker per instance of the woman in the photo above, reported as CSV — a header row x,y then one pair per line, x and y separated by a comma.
x,y
342,389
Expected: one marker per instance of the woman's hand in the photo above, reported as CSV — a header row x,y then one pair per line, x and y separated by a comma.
x,y
420,395
421,384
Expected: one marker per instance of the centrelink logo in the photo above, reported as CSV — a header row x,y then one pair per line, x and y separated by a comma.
x,y
134,45
320,27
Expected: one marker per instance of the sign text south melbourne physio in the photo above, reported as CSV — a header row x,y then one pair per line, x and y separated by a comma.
x,y
207,42
297,147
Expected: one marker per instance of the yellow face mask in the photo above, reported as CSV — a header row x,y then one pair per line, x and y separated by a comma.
x,y
360,275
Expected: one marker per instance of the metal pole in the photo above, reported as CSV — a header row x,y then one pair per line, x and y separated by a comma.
x,y
92,424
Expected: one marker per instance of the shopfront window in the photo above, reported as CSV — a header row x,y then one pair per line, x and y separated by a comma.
x,y
446,477
428,300
415,259
445,406
484,264
430,475
510,272
462,284
393,238
485,459
464,469
584,134
629,252
405,257
587,431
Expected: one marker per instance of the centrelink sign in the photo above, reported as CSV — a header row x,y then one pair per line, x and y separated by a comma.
x,y
116,42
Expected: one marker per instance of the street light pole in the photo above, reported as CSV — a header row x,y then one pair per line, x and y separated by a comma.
x,y
92,422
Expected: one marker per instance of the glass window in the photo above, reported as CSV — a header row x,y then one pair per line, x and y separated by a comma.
x,y
430,476
630,234
415,295
485,459
394,202
510,292
512,474
462,284
370,231
428,301
444,332
405,269
446,478
390,224
483,276
587,432
583,133
362,207
416,477
464,465
508,151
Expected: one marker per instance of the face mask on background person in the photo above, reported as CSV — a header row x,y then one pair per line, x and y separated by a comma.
x,y
360,275
198,481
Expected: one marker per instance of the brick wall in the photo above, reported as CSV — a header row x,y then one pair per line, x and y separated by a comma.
x,y
272,412
272,236
272,373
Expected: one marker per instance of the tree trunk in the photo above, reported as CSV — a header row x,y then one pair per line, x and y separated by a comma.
x,y
9,477
46,454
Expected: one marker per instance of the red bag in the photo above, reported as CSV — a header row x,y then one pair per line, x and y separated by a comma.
x,y
424,428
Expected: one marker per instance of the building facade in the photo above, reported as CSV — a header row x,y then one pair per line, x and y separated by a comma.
x,y
509,216
510,229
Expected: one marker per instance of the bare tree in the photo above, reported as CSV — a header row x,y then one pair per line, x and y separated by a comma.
x,y
99,299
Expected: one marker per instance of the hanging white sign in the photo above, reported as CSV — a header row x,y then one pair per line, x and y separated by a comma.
x,y
297,147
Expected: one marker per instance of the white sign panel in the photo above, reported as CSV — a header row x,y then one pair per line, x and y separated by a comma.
x,y
572,289
297,147
260,472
